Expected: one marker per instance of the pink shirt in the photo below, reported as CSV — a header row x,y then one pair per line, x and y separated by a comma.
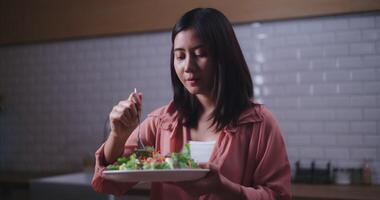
x,y
252,154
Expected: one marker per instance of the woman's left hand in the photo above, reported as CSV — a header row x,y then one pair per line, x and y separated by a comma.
x,y
214,182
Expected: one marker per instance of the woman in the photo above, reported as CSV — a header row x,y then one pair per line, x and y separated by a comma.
x,y
212,101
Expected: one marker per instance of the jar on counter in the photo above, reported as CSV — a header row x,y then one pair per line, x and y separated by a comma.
x,y
366,173
356,176
342,176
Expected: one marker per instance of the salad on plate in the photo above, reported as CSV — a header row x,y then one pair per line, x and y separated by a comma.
x,y
149,165
151,159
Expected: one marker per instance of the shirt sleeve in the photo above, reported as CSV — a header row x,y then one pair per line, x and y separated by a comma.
x,y
272,175
148,130
102,185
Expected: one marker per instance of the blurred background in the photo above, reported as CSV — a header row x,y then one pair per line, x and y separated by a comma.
x,y
64,65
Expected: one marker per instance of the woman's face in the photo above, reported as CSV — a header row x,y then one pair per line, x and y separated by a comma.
x,y
193,63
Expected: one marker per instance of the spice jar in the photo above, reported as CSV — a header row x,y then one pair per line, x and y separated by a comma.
x,y
342,176
366,173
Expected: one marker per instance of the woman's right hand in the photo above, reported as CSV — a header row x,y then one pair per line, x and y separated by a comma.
x,y
124,117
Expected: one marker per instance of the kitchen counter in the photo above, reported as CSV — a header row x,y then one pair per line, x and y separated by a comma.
x,y
68,186
77,186
15,185
79,183
335,192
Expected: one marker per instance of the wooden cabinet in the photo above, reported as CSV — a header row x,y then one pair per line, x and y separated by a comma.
x,y
41,20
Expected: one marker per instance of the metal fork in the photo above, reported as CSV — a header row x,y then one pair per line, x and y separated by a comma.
x,y
140,144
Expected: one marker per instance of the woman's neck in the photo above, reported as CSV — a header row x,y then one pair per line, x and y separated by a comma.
x,y
208,104
204,130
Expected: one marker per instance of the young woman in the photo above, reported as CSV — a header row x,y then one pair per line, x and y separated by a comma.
x,y
212,102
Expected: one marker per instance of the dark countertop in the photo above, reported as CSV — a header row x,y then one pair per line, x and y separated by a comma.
x,y
336,192
299,191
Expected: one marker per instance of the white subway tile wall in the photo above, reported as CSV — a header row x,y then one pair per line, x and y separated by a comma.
x,y
57,96
319,76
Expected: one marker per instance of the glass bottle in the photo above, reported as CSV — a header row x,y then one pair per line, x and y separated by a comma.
x,y
366,173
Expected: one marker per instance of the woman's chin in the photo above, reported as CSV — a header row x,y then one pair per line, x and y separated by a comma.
x,y
193,91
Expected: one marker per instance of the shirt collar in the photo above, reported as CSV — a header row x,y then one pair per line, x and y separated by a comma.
x,y
169,118
250,115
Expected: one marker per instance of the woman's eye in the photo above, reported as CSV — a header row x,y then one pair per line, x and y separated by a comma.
x,y
179,56
200,54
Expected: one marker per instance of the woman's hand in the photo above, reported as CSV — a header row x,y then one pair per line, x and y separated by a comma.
x,y
123,120
213,183
124,116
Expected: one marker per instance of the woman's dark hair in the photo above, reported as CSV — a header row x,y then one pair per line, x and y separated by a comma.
x,y
232,84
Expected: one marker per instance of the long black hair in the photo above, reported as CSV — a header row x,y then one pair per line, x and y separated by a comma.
x,y
232,84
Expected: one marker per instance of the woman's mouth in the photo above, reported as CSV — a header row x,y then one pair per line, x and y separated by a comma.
x,y
192,81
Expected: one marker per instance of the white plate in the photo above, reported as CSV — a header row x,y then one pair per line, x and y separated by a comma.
x,y
159,175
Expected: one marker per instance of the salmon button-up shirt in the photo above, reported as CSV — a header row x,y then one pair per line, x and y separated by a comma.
x,y
251,154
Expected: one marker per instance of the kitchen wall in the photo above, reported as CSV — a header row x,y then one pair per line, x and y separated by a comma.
x,y
319,76
58,95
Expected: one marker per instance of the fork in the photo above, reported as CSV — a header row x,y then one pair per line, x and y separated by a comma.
x,y
140,144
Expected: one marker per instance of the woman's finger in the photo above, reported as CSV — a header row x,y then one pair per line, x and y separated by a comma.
x,y
204,165
213,167
115,115
117,111
119,108
124,120
126,111
130,96
134,111
127,114
124,103
133,101
137,99
124,107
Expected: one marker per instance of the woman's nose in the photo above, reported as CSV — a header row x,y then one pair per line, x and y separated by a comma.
x,y
190,64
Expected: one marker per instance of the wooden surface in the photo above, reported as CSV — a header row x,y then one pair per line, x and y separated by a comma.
x,y
299,191
43,20
24,177
336,192
312,192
